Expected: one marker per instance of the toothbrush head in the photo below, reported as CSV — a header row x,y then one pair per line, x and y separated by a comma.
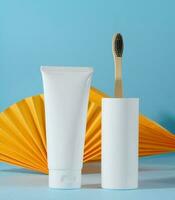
x,y
117,45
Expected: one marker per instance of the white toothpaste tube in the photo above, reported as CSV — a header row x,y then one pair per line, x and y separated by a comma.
x,y
66,93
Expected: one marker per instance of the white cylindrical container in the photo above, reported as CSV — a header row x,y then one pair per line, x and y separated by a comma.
x,y
66,92
120,121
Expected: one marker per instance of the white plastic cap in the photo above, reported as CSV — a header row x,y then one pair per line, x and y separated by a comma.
x,y
65,179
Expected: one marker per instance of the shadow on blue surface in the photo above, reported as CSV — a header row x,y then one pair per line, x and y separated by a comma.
x,y
160,183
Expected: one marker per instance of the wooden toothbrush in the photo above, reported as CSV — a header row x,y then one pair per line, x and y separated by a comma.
x,y
117,50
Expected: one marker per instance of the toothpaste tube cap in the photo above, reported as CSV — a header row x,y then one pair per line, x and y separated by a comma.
x,y
65,179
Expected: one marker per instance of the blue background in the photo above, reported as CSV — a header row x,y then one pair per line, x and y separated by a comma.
x,y
76,32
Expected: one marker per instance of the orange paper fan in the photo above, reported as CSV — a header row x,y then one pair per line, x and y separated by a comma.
x,y
23,138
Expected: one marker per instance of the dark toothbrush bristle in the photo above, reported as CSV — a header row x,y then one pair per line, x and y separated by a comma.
x,y
118,44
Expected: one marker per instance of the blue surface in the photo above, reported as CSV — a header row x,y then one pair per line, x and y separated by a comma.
x,y
66,32
156,181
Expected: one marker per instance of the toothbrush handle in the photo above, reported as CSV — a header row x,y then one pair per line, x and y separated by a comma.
x,y
118,91
118,88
